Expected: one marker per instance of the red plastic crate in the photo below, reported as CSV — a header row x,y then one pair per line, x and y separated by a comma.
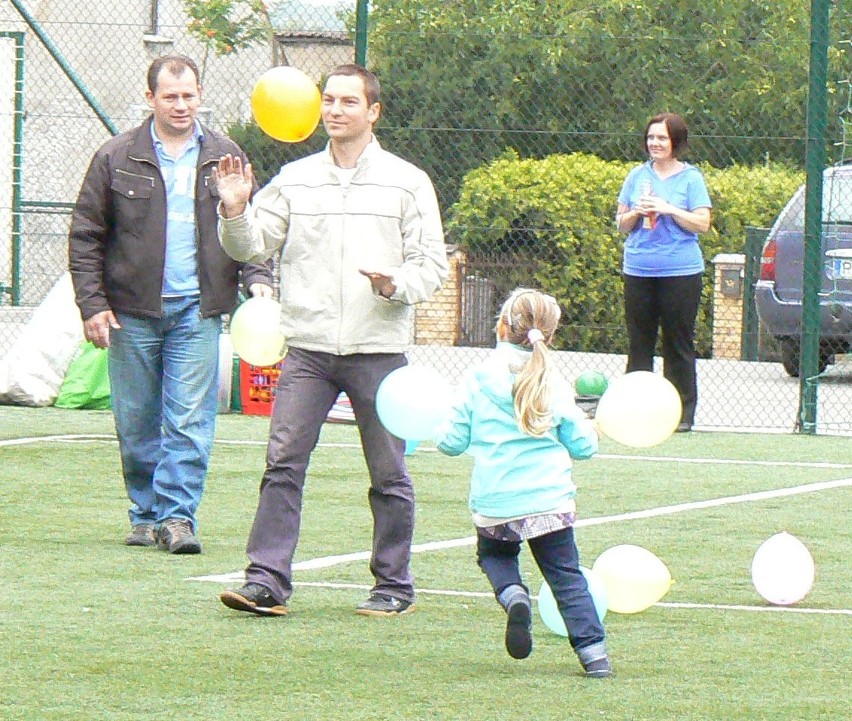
x,y
257,388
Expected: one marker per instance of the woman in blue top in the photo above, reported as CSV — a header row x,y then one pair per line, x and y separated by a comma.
x,y
519,422
663,206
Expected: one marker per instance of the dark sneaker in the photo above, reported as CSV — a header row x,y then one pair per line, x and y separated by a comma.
x,y
254,598
519,627
599,668
378,604
142,534
176,536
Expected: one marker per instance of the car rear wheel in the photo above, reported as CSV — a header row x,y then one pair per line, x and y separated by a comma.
x,y
790,356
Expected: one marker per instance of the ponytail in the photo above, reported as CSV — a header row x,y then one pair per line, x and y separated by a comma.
x,y
530,318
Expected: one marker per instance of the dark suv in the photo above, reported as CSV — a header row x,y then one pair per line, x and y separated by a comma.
x,y
778,292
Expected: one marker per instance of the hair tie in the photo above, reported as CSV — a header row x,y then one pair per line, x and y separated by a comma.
x,y
534,335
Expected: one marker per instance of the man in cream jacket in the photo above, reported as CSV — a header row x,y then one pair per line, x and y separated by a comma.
x,y
361,242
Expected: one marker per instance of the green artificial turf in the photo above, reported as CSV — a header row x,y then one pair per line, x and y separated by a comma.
x,y
92,629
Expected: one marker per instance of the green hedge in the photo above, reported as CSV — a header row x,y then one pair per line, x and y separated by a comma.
x,y
550,223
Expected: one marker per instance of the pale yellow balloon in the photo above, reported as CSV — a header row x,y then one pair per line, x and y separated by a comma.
x,y
634,578
639,409
286,104
255,332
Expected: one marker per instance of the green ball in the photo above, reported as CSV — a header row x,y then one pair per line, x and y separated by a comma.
x,y
591,383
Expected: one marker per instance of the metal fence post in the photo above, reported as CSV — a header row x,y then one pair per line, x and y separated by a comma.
x,y
361,17
755,237
817,111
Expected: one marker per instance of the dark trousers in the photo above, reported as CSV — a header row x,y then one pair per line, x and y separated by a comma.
x,y
670,304
307,388
559,561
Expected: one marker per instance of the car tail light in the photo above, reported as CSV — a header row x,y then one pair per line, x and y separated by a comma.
x,y
767,260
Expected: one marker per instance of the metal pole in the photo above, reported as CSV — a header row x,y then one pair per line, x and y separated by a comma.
x,y
14,290
817,112
66,68
361,17
155,17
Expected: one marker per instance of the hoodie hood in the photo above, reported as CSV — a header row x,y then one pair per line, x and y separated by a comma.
x,y
496,376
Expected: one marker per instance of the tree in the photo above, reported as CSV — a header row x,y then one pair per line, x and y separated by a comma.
x,y
468,79
226,26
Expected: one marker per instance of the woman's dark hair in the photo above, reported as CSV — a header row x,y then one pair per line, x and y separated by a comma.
x,y
676,127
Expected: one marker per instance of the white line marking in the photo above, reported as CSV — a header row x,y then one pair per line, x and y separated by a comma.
x,y
483,594
788,609
96,437
328,561
724,501
85,438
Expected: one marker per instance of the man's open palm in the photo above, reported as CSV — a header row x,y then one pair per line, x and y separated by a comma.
x,y
234,183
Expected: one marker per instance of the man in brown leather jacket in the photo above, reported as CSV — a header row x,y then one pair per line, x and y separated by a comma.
x,y
152,283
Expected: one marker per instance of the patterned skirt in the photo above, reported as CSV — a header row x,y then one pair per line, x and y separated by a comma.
x,y
521,529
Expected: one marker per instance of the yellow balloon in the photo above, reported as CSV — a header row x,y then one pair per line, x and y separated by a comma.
x,y
286,104
639,409
255,333
634,578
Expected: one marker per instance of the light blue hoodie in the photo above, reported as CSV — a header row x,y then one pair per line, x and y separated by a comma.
x,y
514,474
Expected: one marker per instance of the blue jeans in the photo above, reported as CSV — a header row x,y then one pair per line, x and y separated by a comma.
x,y
163,375
559,561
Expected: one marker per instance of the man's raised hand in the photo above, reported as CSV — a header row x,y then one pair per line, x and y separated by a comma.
x,y
234,183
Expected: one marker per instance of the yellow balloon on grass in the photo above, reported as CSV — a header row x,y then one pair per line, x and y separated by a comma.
x,y
635,578
286,104
255,332
639,409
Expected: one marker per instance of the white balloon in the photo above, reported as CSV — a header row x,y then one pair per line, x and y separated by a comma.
x,y
255,332
639,409
783,570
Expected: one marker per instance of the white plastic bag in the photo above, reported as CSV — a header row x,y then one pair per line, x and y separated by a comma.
x,y
32,371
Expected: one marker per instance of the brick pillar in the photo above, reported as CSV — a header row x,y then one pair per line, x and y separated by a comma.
x,y
729,271
436,322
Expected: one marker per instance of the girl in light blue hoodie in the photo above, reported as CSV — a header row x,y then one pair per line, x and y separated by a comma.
x,y
518,420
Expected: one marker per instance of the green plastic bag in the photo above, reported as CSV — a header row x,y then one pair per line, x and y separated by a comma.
x,y
86,383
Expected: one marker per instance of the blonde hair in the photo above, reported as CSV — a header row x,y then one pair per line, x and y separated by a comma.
x,y
529,318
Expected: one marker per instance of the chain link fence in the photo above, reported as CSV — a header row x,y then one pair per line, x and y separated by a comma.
x,y
527,115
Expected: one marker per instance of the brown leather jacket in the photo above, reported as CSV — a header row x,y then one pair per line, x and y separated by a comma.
x,y
117,242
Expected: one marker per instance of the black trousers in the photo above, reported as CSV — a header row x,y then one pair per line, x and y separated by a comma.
x,y
670,304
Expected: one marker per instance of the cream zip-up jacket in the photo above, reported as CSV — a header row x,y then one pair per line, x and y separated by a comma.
x,y
386,219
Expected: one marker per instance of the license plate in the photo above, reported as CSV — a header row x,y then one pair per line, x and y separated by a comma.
x,y
841,268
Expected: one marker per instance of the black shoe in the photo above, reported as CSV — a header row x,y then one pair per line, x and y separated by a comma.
x,y
176,536
254,598
519,627
380,604
683,427
142,534
599,668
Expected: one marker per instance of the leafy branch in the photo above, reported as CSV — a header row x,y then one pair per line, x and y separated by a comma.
x,y
227,26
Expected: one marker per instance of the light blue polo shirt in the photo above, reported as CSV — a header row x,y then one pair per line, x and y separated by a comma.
x,y
180,275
